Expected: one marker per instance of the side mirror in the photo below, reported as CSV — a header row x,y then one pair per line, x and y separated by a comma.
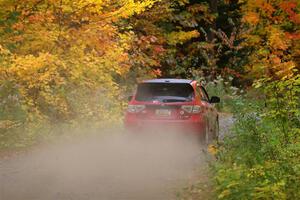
x,y
129,98
215,99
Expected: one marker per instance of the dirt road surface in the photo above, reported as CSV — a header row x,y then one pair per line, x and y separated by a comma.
x,y
110,167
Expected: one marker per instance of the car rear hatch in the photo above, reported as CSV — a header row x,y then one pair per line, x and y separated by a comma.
x,y
164,101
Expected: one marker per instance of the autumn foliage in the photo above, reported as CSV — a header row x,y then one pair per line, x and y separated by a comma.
x,y
67,63
261,159
61,61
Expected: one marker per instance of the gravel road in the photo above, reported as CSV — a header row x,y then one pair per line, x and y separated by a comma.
x,y
110,167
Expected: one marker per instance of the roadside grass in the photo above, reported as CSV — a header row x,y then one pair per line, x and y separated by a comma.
x,y
260,158
200,187
19,137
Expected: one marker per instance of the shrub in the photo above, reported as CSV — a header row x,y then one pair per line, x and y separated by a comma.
x,y
260,159
230,96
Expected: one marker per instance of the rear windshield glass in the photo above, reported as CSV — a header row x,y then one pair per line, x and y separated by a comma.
x,y
165,92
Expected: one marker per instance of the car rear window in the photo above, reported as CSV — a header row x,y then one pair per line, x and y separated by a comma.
x,y
165,92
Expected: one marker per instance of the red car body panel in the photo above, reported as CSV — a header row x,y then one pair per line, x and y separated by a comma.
x,y
177,118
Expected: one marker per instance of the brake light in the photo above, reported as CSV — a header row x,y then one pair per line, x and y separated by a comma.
x,y
196,109
135,108
188,109
191,109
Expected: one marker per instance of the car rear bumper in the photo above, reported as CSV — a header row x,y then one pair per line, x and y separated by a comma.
x,y
195,124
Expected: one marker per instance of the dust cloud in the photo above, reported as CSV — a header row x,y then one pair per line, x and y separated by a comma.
x,y
112,166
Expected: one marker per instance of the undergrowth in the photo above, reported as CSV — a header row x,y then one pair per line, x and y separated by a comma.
x,y
260,159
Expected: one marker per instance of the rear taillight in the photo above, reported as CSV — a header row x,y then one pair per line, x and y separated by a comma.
x,y
191,109
135,108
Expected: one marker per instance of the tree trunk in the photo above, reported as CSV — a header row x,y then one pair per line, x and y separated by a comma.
x,y
213,5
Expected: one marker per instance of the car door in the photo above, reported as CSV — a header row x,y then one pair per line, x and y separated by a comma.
x,y
205,104
210,110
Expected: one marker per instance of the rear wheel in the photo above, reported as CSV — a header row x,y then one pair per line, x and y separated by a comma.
x,y
206,136
211,134
216,131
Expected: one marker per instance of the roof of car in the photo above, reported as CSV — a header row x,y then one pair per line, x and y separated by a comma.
x,y
168,80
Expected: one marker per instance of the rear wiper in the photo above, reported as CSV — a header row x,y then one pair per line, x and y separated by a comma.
x,y
174,100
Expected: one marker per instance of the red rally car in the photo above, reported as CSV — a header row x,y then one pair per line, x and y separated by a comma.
x,y
178,103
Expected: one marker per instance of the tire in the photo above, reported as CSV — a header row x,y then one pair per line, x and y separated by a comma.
x,y
216,131
206,136
211,135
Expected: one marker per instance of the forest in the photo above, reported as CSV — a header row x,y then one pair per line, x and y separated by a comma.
x,y
67,64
